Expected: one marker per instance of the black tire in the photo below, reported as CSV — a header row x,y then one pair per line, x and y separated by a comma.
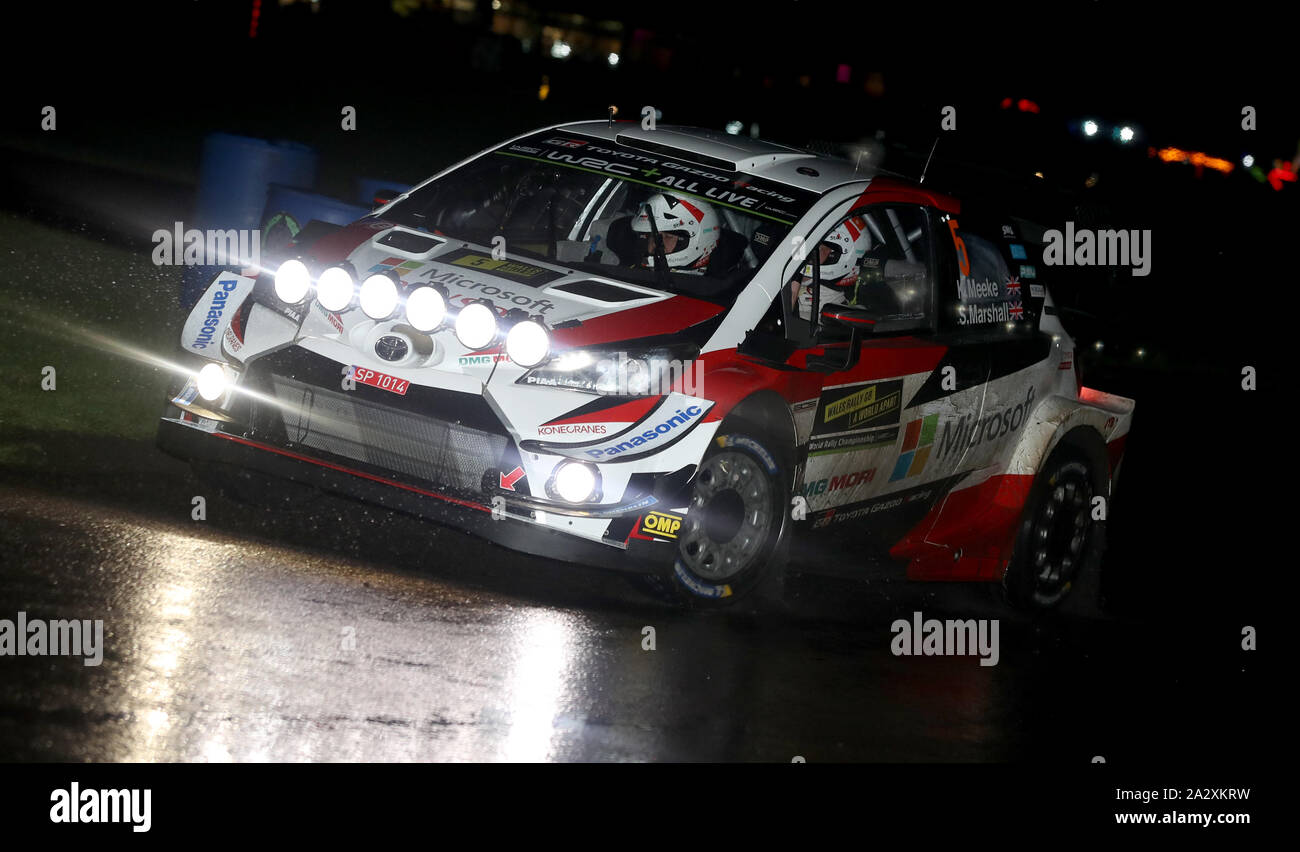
x,y
731,546
1059,544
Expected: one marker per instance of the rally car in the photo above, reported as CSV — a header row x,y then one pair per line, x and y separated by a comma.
x,y
690,356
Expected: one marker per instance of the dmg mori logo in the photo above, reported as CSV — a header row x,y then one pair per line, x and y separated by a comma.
x,y
391,348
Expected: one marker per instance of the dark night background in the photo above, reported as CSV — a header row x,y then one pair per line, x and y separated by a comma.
x,y
1194,531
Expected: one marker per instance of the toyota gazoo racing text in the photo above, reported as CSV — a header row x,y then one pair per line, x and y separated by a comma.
x,y
689,356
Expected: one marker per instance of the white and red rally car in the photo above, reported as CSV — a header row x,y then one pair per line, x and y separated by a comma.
x,y
674,352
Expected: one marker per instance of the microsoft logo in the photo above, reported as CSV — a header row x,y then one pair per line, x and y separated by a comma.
x,y
918,440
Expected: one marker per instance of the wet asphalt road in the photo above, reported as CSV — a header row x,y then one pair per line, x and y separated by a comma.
x,y
346,633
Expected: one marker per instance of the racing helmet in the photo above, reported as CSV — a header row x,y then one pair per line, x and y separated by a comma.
x,y
694,223
847,244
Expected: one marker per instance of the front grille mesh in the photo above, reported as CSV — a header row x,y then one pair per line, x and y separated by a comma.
x,y
437,451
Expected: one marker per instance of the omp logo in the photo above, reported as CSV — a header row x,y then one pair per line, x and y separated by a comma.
x,y
661,524
91,805
681,418
215,310
835,483
862,405
918,441
969,432
180,247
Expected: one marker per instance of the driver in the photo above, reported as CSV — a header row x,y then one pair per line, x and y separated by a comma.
x,y
840,256
688,230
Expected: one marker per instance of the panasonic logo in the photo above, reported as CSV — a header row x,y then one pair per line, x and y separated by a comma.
x,y
215,310
681,418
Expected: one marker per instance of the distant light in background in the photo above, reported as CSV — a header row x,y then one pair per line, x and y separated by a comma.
x,y
560,50
843,73
1196,158
1125,134
1281,171
1140,353
257,13
544,89
612,59
1038,174
1006,103
1098,346
805,81
1248,161
1026,105
734,127
1092,180
496,5
1090,128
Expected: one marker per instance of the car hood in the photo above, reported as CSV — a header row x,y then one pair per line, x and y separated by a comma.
x,y
581,309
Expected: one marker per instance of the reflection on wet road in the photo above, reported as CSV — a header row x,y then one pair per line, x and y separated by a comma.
x,y
248,639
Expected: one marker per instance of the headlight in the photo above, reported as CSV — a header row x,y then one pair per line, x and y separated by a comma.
x,y
425,308
379,297
476,326
642,373
528,344
212,382
574,482
292,281
334,289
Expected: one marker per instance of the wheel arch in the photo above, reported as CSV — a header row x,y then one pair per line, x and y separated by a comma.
x,y
1062,421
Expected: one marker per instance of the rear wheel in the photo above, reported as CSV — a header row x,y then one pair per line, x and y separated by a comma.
x,y
1059,544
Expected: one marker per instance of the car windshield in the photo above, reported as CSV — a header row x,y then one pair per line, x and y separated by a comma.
x,y
576,201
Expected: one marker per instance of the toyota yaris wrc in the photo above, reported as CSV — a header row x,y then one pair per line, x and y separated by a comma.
x,y
675,353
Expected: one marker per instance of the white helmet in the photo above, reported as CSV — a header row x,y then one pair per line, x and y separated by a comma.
x,y
694,223
847,243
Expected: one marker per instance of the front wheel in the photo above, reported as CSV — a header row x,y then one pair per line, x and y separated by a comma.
x,y
728,546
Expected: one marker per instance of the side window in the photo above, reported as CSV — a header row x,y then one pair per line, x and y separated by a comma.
x,y
982,290
880,258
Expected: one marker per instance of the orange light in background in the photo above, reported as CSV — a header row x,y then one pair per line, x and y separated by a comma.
x,y
544,89
1219,165
1172,155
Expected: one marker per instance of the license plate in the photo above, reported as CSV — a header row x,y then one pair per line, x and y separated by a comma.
x,y
383,381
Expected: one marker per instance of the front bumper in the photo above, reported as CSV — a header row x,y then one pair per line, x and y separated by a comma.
x,y
506,525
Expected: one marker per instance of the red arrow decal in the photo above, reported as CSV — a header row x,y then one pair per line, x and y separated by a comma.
x,y
508,480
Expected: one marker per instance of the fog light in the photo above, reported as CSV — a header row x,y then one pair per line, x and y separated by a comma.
x,y
212,382
334,289
476,326
425,308
528,344
575,481
378,297
292,281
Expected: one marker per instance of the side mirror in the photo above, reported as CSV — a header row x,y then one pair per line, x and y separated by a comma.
x,y
383,196
858,320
